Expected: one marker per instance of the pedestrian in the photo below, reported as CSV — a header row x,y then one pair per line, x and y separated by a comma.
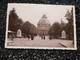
x,y
28,37
32,37
12,37
50,37
43,36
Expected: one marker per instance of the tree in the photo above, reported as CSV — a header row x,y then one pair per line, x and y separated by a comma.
x,y
14,21
55,30
63,24
19,23
69,26
33,30
28,28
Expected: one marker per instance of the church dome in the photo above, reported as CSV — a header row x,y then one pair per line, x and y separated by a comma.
x,y
43,23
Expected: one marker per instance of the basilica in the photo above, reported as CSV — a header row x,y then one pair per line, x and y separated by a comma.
x,y
43,25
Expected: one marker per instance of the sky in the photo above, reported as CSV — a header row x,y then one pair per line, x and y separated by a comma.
x,y
34,12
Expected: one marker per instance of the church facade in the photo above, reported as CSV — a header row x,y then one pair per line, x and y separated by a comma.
x,y
43,25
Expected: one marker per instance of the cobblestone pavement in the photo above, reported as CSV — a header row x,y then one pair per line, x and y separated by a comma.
x,y
38,42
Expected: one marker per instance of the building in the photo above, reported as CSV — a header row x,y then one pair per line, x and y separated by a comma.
x,y
43,25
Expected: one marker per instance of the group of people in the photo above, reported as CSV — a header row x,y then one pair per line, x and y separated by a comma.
x,y
30,36
42,36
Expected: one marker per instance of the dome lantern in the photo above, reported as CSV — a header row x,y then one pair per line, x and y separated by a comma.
x,y
44,16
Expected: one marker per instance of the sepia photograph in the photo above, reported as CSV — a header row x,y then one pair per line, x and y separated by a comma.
x,y
40,26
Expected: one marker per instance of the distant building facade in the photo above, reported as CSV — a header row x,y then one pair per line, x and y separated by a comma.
x,y
43,25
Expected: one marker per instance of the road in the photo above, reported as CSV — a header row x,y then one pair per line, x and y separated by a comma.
x,y
38,42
